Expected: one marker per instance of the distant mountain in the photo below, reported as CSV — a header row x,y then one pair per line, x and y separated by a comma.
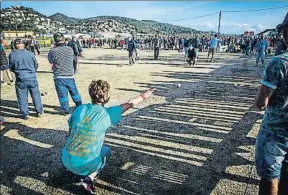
x,y
24,18
64,19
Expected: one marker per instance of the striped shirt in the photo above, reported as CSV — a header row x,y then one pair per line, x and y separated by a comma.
x,y
61,58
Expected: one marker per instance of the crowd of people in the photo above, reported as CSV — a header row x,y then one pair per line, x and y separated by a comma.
x,y
248,45
85,154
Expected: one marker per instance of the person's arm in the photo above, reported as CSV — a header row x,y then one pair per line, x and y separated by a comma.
x,y
137,100
263,96
11,63
273,75
35,62
76,49
50,57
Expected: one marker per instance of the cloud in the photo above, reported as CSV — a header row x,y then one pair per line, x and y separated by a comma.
x,y
241,27
204,26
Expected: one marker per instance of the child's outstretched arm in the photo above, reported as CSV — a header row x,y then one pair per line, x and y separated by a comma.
x,y
144,96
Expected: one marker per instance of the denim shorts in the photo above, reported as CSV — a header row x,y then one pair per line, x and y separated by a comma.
x,y
270,153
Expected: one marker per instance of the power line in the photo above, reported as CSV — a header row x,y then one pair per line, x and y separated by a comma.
x,y
255,10
192,18
227,11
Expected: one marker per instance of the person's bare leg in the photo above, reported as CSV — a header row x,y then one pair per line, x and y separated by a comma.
x,y
212,56
268,187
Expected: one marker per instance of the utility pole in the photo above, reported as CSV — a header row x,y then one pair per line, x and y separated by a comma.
x,y
219,23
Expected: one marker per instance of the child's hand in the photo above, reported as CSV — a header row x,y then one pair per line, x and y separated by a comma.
x,y
147,94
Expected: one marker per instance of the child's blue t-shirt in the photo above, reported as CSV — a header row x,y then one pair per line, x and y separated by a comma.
x,y
88,125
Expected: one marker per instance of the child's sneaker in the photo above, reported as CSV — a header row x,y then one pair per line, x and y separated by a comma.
x,y
88,185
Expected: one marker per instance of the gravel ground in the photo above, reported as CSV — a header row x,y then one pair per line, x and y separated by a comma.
x,y
194,139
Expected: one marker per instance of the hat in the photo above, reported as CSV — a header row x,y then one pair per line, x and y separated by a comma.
x,y
284,23
18,41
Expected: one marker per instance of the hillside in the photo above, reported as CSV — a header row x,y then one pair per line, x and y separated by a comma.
x,y
64,19
24,18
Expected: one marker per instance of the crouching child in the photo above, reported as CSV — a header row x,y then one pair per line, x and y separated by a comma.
x,y
84,153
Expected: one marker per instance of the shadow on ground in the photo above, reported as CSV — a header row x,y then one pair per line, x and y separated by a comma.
x,y
183,146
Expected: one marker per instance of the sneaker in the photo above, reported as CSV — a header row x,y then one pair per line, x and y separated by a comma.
x,y
26,117
88,185
63,112
40,114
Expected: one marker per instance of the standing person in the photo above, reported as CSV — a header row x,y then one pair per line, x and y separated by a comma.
x,y
271,152
122,43
181,44
187,44
203,43
85,153
261,47
212,49
36,46
156,43
248,46
30,44
62,58
74,45
12,47
219,45
4,64
24,64
132,50
253,43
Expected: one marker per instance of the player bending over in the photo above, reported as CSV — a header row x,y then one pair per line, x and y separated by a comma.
x,y
84,153
192,56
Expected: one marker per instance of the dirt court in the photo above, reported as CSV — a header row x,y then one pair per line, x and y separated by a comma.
x,y
196,139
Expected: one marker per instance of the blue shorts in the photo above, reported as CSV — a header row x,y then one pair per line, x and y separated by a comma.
x,y
271,152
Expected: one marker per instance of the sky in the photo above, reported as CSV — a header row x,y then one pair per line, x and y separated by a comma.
x,y
168,11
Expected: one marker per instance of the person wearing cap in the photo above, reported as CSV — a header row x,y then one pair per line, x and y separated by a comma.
x,y
61,57
156,43
271,151
4,64
261,47
36,45
24,64
132,50
280,46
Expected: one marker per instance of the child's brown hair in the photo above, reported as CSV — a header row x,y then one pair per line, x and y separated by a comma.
x,y
98,91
